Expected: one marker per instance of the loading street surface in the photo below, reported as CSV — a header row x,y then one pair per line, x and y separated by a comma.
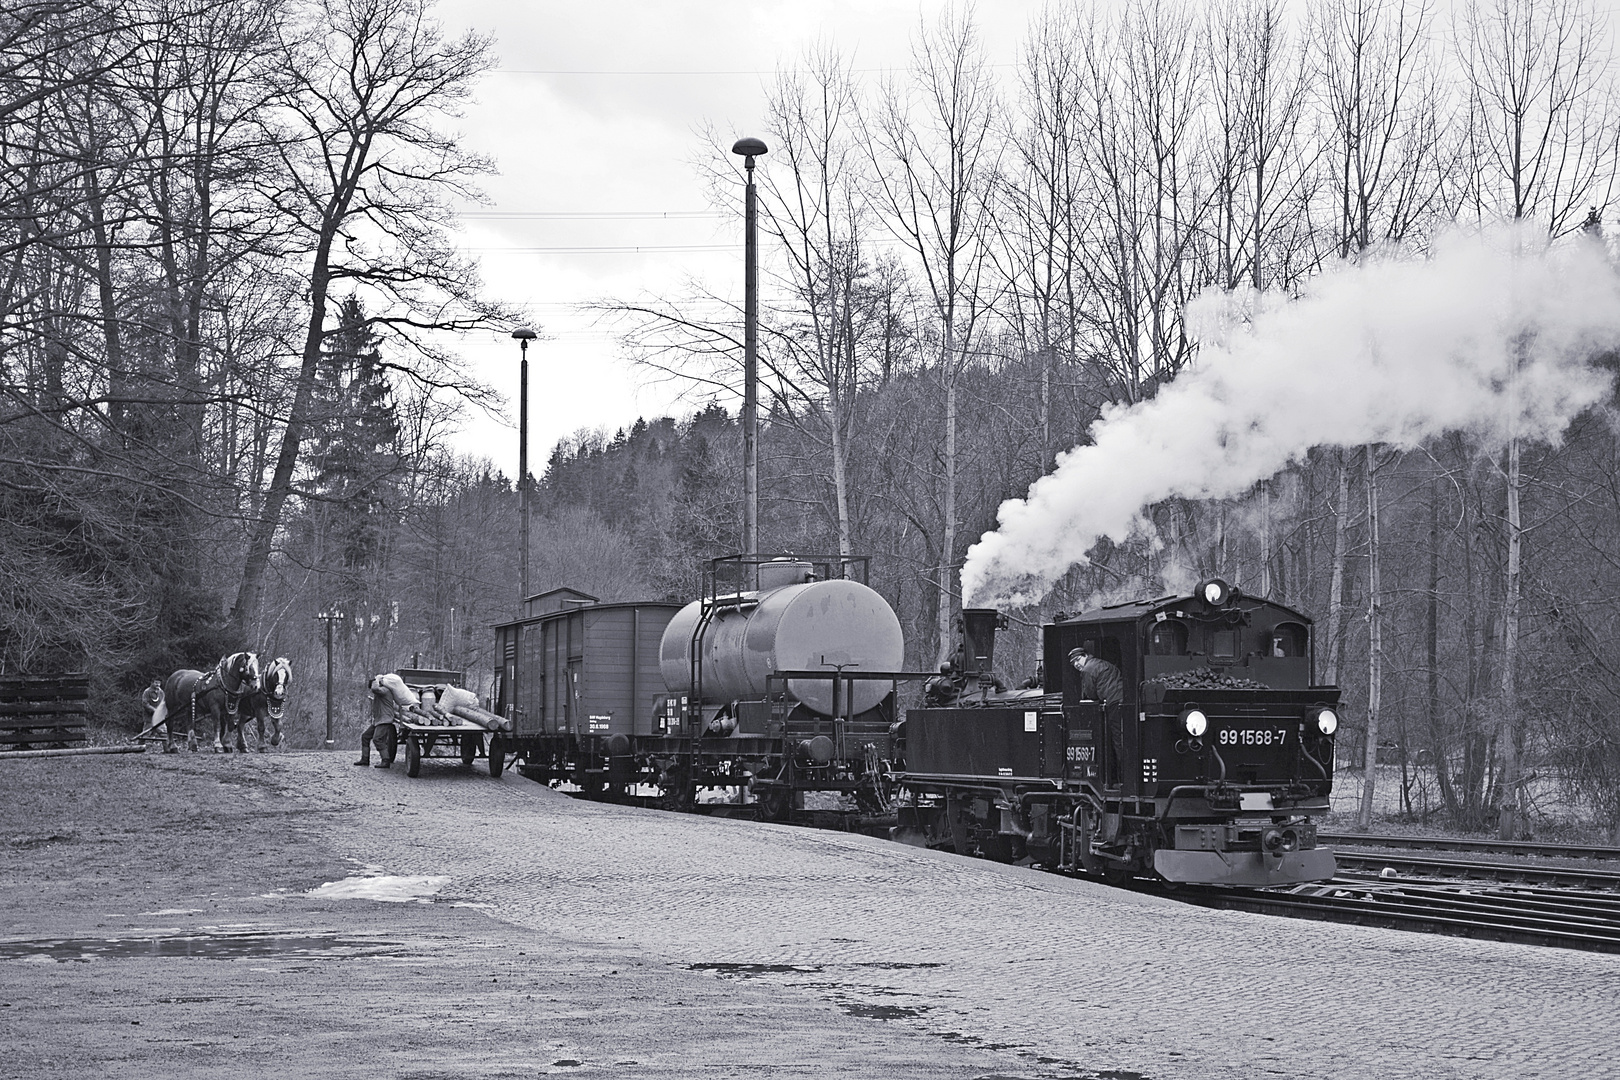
x,y
167,913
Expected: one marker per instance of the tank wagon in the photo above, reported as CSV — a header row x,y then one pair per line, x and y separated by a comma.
x,y
1212,769
778,680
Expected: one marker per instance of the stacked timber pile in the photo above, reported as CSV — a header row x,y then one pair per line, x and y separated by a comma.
x,y
1207,678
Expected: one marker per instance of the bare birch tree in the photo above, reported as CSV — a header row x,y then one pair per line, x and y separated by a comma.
x,y
933,171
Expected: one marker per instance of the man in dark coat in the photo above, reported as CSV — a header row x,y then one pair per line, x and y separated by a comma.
x,y
1099,680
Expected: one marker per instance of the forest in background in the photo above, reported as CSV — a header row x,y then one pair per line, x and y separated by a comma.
x,y
227,276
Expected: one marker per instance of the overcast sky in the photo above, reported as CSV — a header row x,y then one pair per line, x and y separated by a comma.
x,y
594,119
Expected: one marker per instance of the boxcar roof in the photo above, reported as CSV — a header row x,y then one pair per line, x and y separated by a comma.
x,y
615,606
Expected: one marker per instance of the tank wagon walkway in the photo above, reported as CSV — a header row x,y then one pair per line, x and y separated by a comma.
x,y
1054,977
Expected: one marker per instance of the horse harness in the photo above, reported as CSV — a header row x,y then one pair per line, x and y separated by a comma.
x,y
218,677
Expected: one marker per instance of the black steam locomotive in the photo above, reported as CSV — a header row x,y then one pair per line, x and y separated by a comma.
x,y
1211,769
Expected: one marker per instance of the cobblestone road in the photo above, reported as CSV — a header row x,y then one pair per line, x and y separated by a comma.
x,y
1056,977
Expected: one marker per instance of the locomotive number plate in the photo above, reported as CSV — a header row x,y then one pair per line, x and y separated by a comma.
x,y
1081,754
1252,736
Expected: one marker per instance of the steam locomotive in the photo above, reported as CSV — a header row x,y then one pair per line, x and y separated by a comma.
x,y
778,688
1212,769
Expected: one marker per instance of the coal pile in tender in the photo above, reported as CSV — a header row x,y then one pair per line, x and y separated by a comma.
x,y
1207,678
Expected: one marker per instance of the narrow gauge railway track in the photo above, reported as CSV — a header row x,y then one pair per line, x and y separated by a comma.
x,y
1484,847
1562,917
1561,877
1548,917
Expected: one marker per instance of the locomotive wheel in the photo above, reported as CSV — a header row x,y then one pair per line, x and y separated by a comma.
x,y
413,757
1002,849
469,749
497,755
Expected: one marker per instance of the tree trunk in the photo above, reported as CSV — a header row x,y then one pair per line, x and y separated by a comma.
x,y
1341,532
268,520
947,555
1510,737
1375,648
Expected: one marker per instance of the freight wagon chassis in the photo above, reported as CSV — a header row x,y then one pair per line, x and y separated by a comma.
x,y
462,740
768,780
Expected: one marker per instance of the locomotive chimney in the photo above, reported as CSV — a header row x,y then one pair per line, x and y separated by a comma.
x,y
979,626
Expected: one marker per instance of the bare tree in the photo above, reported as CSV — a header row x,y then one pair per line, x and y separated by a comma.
x,y
368,181
817,211
933,171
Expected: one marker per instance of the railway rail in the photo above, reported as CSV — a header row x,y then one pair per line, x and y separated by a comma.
x,y
1484,847
1558,918
1430,867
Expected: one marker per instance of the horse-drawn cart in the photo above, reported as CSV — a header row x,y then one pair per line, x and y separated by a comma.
x,y
429,729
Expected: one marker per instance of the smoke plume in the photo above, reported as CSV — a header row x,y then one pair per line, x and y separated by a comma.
x,y
1390,350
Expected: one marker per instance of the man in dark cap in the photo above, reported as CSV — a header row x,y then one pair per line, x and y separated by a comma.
x,y
1099,680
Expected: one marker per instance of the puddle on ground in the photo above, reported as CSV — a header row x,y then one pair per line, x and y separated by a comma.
x,y
231,945
882,1012
748,970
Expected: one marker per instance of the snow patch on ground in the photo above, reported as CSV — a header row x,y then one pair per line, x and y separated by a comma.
x,y
387,889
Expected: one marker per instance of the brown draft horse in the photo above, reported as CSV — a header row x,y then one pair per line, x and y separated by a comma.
x,y
217,693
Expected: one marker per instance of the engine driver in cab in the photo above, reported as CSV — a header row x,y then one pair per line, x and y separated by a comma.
x,y
1095,679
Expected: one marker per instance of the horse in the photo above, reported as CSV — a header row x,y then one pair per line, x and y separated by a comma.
x,y
217,692
268,701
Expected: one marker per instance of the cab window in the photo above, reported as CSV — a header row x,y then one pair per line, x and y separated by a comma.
x,y
1168,638
1287,639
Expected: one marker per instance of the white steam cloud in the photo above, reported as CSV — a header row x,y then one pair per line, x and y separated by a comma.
x,y
1390,351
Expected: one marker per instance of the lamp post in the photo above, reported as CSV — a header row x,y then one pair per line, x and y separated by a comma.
x,y
523,335
750,149
329,618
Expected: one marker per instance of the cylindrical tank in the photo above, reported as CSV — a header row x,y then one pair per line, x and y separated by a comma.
x,y
813,625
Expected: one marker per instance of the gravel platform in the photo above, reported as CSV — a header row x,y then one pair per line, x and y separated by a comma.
x,y
590,940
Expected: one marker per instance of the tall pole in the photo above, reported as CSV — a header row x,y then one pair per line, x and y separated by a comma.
x,y
329,618
749,149
523,336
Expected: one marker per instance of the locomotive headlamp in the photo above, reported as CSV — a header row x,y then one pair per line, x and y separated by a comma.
x,y
1327,721
1195,722
1214,592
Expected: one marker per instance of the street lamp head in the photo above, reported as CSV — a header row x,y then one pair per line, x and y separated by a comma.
x,y
523,333
748,148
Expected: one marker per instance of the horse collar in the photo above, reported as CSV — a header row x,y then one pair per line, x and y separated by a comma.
x,y
219,669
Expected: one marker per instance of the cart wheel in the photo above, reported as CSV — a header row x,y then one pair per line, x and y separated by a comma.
x,y
413,757
497,755
469,748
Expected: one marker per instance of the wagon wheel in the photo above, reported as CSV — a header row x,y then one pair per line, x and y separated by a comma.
x,y
413,757
469,748
679,792
497,755
774,803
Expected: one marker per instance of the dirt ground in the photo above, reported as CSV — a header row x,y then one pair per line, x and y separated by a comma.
x,y
156,920
164,916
